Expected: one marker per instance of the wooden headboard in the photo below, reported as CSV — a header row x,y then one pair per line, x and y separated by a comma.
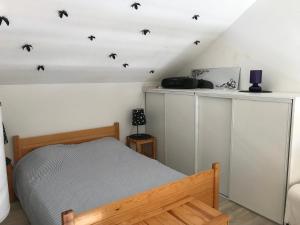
x,y
23,146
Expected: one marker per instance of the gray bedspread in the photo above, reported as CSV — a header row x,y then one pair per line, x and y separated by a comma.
x,y
56,178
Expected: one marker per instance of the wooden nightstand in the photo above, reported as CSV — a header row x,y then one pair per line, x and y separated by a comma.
x,y
9,169
140,143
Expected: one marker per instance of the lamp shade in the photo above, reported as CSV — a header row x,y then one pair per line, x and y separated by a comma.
x,y
4,196
138,117
255,76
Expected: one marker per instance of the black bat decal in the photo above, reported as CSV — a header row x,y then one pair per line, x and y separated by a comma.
x,y
152,71
196,17
40,67
3,18
145,31
28,47
136,5
92,37
125,65
62,13
113,56
197,42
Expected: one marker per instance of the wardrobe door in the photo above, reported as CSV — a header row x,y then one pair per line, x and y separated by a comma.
x,y
155,114
180,132
214,136
260,142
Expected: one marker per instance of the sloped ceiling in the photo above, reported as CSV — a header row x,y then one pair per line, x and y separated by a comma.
x,y
62,46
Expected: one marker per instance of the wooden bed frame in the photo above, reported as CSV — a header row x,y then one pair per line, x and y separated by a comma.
x,y
203,186
23,146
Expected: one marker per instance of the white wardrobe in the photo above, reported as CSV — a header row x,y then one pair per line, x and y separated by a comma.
x,y
172,119
259,156
250,135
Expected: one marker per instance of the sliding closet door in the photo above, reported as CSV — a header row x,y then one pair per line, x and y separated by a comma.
x,y
260,142
214,136
180,132
155,114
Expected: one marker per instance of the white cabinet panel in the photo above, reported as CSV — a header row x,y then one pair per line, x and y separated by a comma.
x,y
214,136
294,165
155,114
180,132
260,139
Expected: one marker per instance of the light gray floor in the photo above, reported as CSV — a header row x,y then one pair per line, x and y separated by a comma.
x,y
242,216
16,216
238,214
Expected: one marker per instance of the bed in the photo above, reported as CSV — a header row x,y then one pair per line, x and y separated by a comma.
x,y
89,171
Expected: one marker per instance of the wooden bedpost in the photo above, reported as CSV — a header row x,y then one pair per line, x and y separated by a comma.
x,y
16,146
216,168
117,130
68,217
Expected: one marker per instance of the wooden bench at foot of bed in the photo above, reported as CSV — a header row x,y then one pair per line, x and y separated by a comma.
x,y
180,202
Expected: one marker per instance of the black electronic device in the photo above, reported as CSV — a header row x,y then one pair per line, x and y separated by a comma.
x,y
179,83
205,84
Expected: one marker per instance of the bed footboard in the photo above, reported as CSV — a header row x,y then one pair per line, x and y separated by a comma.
x,y
203,186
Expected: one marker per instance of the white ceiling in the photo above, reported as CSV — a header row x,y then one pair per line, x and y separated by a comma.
x,y
62,46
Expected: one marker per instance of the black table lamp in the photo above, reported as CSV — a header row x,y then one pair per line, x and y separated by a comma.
x,y
138,119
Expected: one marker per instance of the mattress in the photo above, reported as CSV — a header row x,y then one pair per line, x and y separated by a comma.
x,y
57,178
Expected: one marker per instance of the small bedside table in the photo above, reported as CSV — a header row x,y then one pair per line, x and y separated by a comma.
x,y
9,169
139,144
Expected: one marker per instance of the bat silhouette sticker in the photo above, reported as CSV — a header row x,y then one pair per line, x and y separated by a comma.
x,y
196,17
92,37
27,47
40,67
113,56
62,13
136,5
125,65
145,31
4,19
197,42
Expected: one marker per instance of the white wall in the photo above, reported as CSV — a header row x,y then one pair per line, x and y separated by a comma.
x,y
42,109
267,36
